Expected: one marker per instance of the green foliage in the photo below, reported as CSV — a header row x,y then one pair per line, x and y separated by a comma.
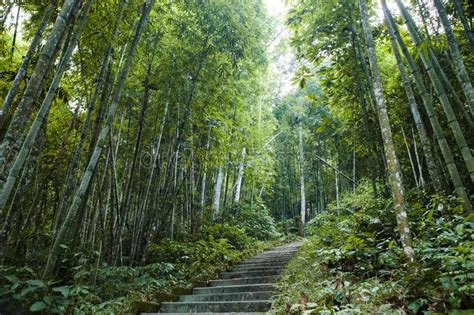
x,y
23,287
235,235
255,220
113,289
288,226
353,261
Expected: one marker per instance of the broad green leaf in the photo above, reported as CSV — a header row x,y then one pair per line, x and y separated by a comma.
x,y
37,306
65,291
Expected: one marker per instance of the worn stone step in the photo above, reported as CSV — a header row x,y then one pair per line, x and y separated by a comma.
x,y
269,258
274,253
285,254
235,288
250,273
278,257
245,296
257,268
192,307
274,262
240,281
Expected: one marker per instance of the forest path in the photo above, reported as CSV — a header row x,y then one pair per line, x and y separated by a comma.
x,y
247,289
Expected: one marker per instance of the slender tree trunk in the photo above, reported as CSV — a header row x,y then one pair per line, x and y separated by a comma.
x,y
353,171
432,169
456,55
365,116
102,85
26,62
42,114
15,31
395,176
432,116
7,8
448,110
125,205
80,193
240,177
413,169
17,128
418,162
462,18
302,191
217,192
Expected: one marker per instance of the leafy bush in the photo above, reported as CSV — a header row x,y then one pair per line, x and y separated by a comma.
x,y
256,220
288,227
23,286
236,236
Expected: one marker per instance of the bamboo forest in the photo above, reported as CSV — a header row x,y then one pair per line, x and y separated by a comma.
x,y
236,157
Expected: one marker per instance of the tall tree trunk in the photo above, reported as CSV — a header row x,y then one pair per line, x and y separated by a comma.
x,y
462,17
5,12
365,115
395,175
42,113
240,177
216,200
418,182
125,204
432,168
456,55
15,31
448,110
20,120
102,86
26,62
432,116
302,191
89,172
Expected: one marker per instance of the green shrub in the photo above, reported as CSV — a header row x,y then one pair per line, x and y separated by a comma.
x,y
236,236
24,288
170,251
288,226
256,220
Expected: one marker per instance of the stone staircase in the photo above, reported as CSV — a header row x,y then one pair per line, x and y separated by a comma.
x,y
247,289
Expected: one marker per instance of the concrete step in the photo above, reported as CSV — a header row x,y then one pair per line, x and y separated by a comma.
x,y
256,268
246,296
263,258
192,307
282,253
236,288
285,253
250,274
263,264
279,257
240,281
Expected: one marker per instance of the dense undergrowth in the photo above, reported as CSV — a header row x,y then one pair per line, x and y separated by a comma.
x,y
171,268
352,263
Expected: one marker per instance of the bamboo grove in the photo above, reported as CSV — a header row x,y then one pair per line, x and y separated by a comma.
x,y
130,122
385,98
